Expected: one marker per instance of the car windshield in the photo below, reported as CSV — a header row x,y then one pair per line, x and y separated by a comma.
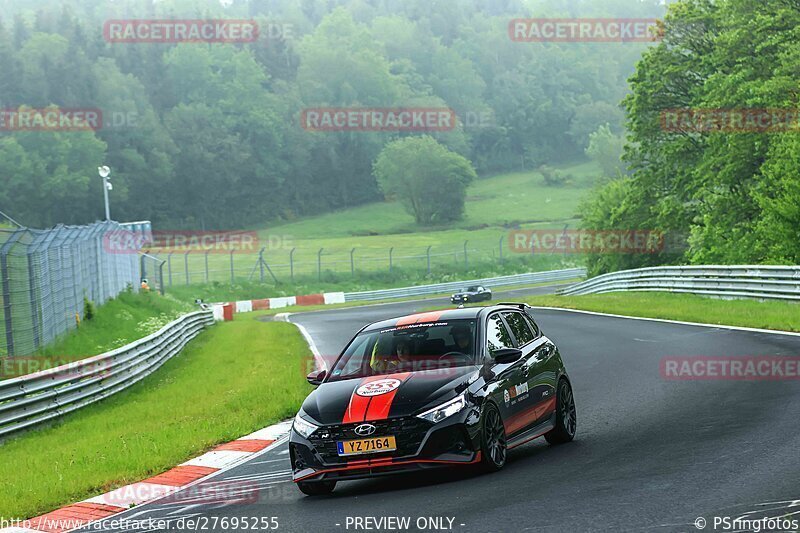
x,y
408,348
472,289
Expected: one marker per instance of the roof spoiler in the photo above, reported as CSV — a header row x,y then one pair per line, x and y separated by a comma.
x,y
521,305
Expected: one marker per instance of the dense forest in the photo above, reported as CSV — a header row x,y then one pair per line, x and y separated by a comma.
x,y
730,189
209,135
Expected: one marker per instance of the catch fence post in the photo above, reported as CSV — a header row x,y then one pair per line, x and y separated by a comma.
x,y
500,247
428,254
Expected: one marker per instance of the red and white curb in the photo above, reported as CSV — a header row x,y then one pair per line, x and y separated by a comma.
x,y
223,457
246,306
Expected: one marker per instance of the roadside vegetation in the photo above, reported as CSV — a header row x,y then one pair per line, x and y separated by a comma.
x,y
712,144
120,321
233,379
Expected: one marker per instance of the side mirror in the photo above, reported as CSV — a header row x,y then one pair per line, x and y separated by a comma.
x,y
507,356
316,377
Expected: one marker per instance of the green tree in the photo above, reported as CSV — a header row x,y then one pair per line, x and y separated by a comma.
x,y
428,179
605,148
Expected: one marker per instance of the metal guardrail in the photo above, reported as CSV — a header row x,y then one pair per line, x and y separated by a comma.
x,y
501,281
30,400
738,281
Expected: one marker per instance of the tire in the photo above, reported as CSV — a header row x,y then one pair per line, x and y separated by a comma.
x,y
316,488
494,449
566,416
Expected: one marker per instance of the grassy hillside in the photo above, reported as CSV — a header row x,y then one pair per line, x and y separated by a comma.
x,y
494,206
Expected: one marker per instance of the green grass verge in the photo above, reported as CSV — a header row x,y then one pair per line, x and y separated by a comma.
x,y
686,307
122,320
233,379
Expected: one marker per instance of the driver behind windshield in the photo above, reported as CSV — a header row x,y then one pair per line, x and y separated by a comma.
x,y
462,336
413,348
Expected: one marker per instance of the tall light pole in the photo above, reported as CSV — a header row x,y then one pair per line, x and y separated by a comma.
x,y
105,172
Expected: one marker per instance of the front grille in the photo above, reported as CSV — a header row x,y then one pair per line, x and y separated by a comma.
x,y
408,432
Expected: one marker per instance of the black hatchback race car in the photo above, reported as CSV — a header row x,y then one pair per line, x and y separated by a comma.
x,y
455,387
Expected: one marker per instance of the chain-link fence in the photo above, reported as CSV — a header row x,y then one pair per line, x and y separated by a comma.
x,y
45,275
309,263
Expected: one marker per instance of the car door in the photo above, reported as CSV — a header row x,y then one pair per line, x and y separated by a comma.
x,y
537,392
509,377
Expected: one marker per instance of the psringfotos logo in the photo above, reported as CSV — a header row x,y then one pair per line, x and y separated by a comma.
x,y
587,30
180,31
378,119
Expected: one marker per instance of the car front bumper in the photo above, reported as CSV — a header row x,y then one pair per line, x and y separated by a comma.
x,y
421,445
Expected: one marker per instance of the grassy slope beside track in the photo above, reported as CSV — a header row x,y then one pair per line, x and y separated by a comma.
x,y
685,307
493,206
775,315
233,379
120,321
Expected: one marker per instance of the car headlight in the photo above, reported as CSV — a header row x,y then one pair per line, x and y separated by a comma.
x,y
447,409
303,427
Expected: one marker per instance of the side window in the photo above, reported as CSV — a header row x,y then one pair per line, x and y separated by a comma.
x,y
519,327
534,327
354,363
497,335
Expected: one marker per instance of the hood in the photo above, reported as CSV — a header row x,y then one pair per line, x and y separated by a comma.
x,y
386,396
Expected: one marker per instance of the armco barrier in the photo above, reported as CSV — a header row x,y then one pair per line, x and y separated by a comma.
x,y
244,306
739,281
36,398
439,288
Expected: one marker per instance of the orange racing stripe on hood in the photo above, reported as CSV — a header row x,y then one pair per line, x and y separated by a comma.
x,y
362,408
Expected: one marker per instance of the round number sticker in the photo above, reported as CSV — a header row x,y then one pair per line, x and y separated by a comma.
x,y
376,388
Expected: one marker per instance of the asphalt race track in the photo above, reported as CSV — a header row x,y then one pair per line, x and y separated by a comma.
x,y
650,454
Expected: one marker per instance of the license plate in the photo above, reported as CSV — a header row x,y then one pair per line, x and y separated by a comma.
x,y
373,445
